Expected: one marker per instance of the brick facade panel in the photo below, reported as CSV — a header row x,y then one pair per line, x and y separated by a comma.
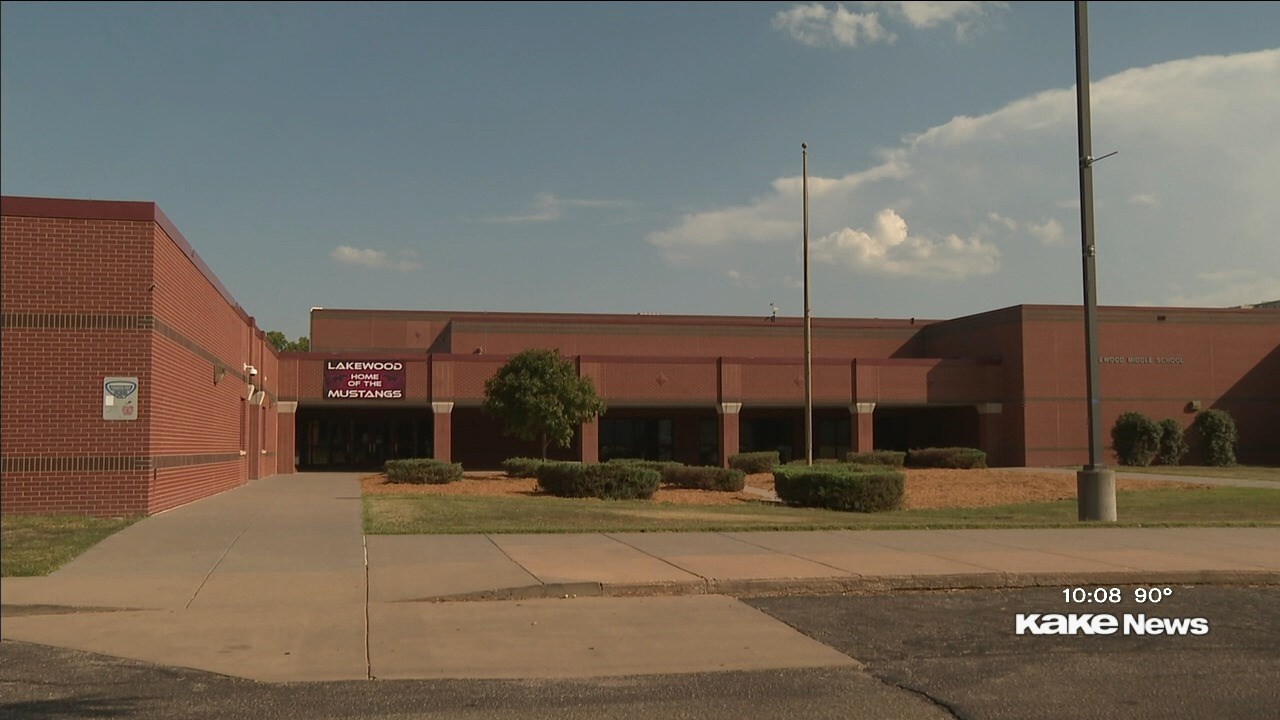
x,y
469,378
108,290
56,265
179,486
652,382
766,341
186,301
52,392
1229,361
193,414
771,383
117,494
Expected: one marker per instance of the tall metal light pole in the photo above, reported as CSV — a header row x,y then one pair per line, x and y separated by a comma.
x,y
808,331
1095,484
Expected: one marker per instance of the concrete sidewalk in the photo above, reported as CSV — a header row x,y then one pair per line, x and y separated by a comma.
x,y
275,581
1122,474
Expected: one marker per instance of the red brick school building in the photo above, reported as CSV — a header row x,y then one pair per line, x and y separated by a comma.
x,y
133,382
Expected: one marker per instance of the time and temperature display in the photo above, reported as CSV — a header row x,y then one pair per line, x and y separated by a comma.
x,y
1100,595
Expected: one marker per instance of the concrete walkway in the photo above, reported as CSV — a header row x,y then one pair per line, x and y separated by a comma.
x,y
275,581
1121,474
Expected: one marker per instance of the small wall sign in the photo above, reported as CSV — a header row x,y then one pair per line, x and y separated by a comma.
x,y
120,398
1138,360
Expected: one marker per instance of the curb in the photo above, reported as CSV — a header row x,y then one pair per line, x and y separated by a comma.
x,y
19,610
854,585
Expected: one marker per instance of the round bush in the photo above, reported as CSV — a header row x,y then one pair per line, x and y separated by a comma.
x,y
522,467
659,465
608,482
955,458
1218,437
1172,443
1136,439
422,471
887,458
840,488
755,462
705,478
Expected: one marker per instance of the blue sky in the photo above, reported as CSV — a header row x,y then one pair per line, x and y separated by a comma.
x,y
645,157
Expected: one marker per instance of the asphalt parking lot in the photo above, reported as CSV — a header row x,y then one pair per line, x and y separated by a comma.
x,y
924,655
961,650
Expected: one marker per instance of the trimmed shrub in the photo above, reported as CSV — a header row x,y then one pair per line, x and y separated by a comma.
x,y
841,488
422,471
659,465
956,458
755,462
705,478
887,458
618,481
1172,443
522,467
562,479
829,464
1135,438
1218,437
816,461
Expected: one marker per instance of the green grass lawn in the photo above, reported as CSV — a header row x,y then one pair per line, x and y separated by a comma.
x,y
1239,472
40,544
439,515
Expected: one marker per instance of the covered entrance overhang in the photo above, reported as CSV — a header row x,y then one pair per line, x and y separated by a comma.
x,y
905,404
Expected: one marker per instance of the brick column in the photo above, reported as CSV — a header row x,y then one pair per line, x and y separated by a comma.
x,y
990,431
729,414
862,432
286,437
255,441
442,431
589,452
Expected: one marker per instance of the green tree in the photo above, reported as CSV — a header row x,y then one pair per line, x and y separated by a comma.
x,y
1218,437
1135,438
1173,445
283,344
537,395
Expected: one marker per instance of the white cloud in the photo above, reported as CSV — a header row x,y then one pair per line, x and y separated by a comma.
x,y
741,279
1179,126
547,207
820,25
932,14
768,219
1049,232
966,17
817,25
891,250
1008,223
375,259
1230,288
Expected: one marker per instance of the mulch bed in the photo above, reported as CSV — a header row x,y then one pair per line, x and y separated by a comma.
x,y
925,488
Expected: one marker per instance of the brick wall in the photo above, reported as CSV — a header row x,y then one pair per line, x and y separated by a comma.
x,y
93,289
76,309
205,420
1226,359
997,335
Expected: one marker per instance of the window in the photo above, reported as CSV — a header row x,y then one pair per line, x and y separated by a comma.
x,y
643,438
709,442
833,438
769,433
